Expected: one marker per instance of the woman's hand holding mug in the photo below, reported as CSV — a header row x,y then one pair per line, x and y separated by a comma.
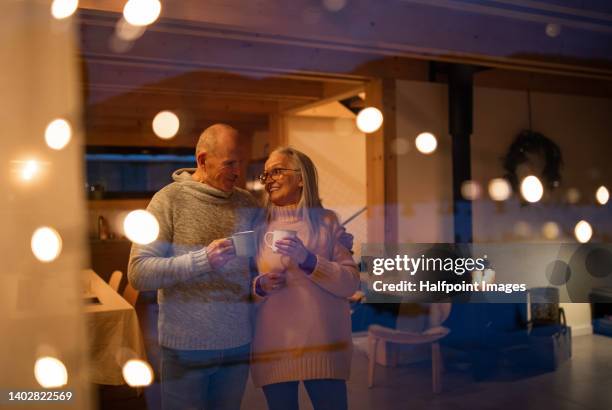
x,y
292,247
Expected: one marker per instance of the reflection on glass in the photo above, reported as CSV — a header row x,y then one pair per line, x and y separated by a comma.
x,y
602,195
50,372
141,227
426,142
46,244
583,231
60,9
137,373
499,189
166,124
551,230
58,134
141,12
532,189
369,119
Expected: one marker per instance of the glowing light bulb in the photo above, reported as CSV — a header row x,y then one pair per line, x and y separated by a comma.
x,y
46,244
602,195
532,189
166,124
369,120
573,196
499,189
29,170
137,373
60,9
583,231
141,12
426,142
141,227
58,134
50,372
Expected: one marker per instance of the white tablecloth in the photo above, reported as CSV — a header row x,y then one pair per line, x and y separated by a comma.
x,y
113,332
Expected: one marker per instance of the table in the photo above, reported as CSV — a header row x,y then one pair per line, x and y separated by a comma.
x,y
113,332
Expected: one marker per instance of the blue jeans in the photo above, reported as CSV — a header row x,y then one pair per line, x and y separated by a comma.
x,y
204,379
325,394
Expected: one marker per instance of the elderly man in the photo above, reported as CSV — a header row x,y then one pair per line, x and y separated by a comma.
x,y
203,288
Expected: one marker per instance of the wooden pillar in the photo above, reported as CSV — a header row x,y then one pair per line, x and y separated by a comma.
x,y
277,131
381,165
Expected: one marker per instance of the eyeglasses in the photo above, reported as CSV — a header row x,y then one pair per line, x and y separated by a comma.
x,y
274,173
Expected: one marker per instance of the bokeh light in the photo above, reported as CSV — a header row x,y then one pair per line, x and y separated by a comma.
x,y
128,32
602,195
141,227
471,190
573,196
499,189
46,244
334,5
60,9
583,232
58,134
369,120
532,189
551,230
553,30
426,142
166,124
29,169
137,373
141,12
50,372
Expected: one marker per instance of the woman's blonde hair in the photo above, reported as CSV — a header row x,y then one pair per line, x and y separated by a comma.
x,y
309,205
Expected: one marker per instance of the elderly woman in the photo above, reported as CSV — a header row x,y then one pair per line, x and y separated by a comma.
x,y
303,330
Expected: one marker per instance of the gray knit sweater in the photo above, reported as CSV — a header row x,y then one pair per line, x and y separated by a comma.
x,y
199,308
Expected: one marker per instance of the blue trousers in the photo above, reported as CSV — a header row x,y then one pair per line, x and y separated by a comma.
x,y
325,394
204,379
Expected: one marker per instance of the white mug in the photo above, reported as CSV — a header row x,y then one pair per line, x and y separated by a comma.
x,y
277,235
244,243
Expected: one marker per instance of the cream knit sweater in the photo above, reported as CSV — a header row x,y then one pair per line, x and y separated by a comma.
x,y
303,331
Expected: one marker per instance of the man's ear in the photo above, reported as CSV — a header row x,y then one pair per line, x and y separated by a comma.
x,y
201,159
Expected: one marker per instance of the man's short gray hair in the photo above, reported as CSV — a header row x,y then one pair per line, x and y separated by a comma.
x,y
208,139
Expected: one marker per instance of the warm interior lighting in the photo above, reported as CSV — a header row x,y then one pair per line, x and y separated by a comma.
x,y
583,231
166,124
532,189
551,230
46,244
141,227
29,170
137,373
471,190
602,195
50,372
58,134
426,142
141,12
369,120
400,146
499,189
60,9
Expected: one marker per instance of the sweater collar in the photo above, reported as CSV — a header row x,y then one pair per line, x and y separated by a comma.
x,y
289,213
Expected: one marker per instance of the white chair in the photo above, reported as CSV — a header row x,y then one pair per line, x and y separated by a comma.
x,y
389,337
115,280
